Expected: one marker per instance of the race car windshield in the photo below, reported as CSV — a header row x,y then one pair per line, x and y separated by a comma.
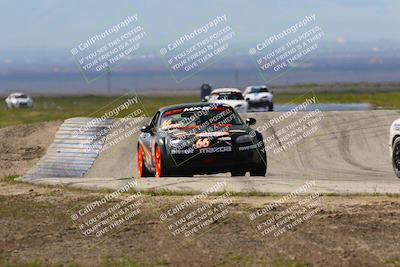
x,y
182,118
21,96
256,90
228,96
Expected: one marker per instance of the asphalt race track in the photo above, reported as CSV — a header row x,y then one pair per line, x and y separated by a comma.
x,y
343,151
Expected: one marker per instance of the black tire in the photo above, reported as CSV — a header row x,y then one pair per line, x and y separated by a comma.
x,y
396,157
271,106
185,174
165,170
145,171
238,173
259,170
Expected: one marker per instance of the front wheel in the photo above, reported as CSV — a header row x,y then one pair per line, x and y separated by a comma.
x,y
271,106
396,156
259,170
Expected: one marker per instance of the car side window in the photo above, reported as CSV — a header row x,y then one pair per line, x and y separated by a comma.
x,y
154,121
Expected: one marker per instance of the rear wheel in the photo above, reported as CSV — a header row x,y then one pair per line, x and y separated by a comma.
x,y
396,156
141,168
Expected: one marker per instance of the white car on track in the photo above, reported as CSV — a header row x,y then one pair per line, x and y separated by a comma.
x,y
259,97
19,100
229,96
394,145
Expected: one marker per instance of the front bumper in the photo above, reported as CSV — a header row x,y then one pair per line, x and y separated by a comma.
x,y
239,158
258,103
20,105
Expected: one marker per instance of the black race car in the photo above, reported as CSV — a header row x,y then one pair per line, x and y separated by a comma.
x,y
200,138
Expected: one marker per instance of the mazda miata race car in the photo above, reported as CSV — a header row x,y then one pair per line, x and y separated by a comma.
x,y
230,96
200,138
394,146
19,100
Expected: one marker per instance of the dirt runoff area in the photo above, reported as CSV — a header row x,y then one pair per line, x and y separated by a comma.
x,y
40,227
23,145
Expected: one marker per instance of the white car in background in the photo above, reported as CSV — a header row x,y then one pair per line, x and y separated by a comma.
x,y
394,146
229,96
19,100
259,97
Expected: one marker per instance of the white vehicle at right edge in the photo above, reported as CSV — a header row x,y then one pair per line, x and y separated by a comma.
x,y
394,145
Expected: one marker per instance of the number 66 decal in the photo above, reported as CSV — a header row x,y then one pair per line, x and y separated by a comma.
x,y
202,142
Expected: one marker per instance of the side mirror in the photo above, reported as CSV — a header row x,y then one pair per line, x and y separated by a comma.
x,y
251,121
206,98
146,129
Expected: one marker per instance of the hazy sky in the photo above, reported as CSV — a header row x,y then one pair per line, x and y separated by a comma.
x,y
48,24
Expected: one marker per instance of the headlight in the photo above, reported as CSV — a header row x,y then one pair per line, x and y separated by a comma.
x,y
175,142
244,139
179,143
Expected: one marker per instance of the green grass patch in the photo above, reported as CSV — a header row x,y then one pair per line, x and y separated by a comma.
x,y
240,260
22,209
12,179
115,262
6,262
393,262
289,263
167,192
120,262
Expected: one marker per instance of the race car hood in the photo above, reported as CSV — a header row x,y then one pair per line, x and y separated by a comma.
x,y
210,131
256,96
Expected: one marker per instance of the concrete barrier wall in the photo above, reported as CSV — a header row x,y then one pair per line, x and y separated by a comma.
x,y
74,150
